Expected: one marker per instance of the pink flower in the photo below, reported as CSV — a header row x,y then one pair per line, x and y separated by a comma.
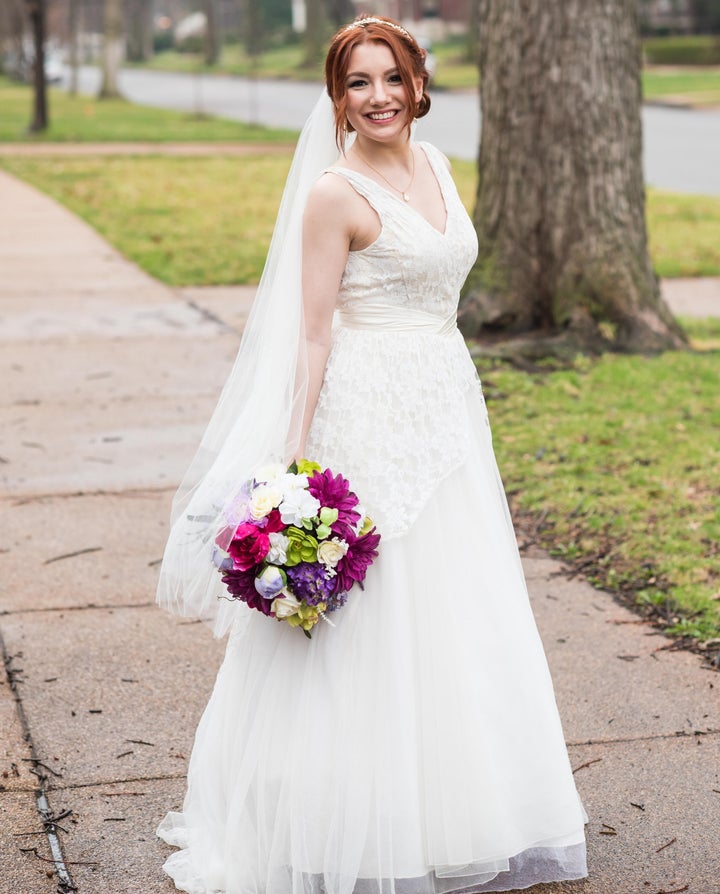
x,y
249,546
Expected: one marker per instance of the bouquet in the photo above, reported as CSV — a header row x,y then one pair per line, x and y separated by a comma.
x,y
295,541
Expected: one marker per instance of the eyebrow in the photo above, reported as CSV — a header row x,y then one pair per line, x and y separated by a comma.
x,y
364,74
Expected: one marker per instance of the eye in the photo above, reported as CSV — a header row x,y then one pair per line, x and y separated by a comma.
x,y
357,82
395,79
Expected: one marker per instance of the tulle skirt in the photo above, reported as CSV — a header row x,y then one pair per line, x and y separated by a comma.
x,y
414,748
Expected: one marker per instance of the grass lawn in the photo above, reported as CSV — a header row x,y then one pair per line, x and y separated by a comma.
x,y
687,85
80,119
613,464
194,221
187,221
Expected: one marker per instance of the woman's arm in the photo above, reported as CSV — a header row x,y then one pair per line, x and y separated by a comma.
x,y
326,243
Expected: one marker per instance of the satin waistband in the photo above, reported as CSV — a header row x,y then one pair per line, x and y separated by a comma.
x,y
390,318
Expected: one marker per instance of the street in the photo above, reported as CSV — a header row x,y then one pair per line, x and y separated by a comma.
x,y
681,150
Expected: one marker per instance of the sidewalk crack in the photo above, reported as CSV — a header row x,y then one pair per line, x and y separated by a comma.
x,y
47,815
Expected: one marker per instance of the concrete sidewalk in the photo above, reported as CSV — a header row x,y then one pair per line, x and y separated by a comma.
x,y
109,378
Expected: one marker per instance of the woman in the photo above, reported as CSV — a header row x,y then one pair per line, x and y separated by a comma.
x,y
415,747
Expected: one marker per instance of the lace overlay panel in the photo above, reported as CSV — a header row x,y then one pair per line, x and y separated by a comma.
x,y
393,413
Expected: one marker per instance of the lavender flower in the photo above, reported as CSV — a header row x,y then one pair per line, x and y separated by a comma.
x,y
309,582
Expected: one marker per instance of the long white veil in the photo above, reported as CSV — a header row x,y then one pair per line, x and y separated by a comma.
x,y
259,414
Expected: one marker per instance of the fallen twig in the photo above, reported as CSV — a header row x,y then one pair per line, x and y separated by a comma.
x,y
77,552
639,806
587,764
39,763
667,844
33,850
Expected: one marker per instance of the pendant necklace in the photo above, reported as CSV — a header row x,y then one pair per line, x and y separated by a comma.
x,y
405,193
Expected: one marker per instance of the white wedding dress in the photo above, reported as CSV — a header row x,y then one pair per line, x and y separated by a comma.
x,y
415,747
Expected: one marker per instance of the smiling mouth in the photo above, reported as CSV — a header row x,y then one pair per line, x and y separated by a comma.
x,y
382,116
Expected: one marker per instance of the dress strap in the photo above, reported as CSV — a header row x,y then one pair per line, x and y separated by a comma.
x,y
379,199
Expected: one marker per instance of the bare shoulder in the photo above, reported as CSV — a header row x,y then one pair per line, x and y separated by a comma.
x,y
329,195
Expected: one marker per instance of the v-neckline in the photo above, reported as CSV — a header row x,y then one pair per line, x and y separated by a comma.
x,y
403,204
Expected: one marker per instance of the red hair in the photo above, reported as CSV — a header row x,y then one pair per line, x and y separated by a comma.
x,y
409,56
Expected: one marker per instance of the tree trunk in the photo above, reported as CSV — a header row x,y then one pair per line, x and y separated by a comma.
x,y
212,41
113,49
560,211
139,30
340,12
36,11
314,32
73,28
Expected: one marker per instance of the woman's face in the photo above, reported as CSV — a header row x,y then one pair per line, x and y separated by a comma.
x,y
377,103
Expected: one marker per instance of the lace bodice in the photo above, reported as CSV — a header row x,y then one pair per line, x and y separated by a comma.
x,y
411,263
393,411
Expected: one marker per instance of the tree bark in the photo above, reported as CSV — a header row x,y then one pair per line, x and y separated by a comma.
x,y
40,119
314,32
113,49
212,41
73,28
139,30
560,212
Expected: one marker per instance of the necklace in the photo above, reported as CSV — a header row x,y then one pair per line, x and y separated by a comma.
x,y
405,193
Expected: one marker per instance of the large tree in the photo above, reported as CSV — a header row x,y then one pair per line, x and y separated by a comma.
x,y
211,43
560,211
140,15
40,118
113,48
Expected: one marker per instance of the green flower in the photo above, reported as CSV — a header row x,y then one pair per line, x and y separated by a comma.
x,y
307,616
302,547
327,517
306,467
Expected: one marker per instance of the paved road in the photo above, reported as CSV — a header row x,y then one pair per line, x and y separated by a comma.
x,y
681,146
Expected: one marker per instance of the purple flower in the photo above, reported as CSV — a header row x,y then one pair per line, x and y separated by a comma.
x,y
241,585
308,582
353,567
334,492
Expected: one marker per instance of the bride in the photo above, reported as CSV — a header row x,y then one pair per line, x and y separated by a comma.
x,y
415,747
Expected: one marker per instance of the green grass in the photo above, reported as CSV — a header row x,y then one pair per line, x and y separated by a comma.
x,y
689,86
81,119
194,221
187,221
682,49
619,458
278,62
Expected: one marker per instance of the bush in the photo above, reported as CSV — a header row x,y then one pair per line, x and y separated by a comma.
x,y
696,49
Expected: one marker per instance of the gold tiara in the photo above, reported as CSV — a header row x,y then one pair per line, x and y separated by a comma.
x,y
372,20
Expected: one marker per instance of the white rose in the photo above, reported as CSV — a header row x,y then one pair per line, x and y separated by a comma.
x,y
297,505
331,551
263,500
277,554
270,473
285,606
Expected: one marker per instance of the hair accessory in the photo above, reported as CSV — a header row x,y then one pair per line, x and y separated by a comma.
x,y
372,20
